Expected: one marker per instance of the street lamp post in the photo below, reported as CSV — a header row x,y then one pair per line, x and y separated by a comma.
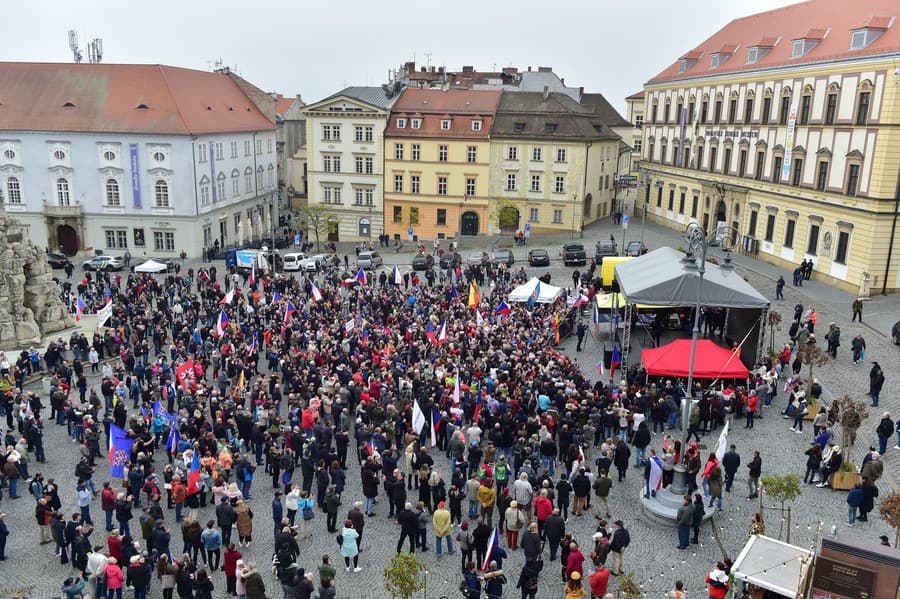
x,y
574,210
698,244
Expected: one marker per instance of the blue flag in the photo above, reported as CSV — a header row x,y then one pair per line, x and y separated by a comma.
x,y
119,451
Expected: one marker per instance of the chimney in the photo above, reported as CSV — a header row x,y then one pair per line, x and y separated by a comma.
x,y
529,68
562,80
545,69
468,69
581,91
299,99
546,93
410,67
440,69
432,69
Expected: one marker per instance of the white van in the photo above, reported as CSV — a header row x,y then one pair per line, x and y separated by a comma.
x,y
292,261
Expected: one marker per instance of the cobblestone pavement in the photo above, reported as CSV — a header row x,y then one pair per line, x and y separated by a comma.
x,y
653,555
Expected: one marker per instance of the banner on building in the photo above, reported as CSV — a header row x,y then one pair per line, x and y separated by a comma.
x,y
135,176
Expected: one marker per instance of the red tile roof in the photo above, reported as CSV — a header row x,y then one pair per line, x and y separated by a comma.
x,y
460,106
811,19
106,98
637,96
282,104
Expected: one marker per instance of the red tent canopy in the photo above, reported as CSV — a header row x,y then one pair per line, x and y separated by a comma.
x,y
711,361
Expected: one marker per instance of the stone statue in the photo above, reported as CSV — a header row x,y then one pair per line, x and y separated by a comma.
x,y
30,306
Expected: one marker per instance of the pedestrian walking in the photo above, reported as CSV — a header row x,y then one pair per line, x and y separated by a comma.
x,y
779,288
857,308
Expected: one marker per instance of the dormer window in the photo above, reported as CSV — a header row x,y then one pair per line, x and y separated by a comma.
x,y
798,48
803,46
401,123
416,123
519,127
142,107
718,58
861,38
445,124
684,64
476,125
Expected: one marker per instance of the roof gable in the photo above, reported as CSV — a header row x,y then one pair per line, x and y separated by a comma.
x,y
341,104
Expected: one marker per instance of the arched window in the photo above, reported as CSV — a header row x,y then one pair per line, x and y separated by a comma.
x,y
235,183
248,180
220,187
161,194
259,178
13,191
62,191
112,192
271,176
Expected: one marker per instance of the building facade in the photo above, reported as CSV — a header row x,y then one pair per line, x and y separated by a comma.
x,y
552,164
291,149
153,159
345,154
635,116
784,126
437,163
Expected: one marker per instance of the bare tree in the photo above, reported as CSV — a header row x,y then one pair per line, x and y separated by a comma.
x,y
316,217
812,356
774,322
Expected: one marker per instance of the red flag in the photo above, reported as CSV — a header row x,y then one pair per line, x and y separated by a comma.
x,y
185,369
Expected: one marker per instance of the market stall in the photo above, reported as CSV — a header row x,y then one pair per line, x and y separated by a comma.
x,y
767,564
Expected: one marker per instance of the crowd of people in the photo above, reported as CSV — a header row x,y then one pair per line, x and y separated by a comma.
x,y
456,411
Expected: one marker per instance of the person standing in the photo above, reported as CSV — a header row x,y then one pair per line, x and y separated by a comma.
x,y
601,489
211,540
582,329
697,519
858,346
349,548
857,308
884,430
442,529
683,518
779,288
876,382
755,469
4,533
620,541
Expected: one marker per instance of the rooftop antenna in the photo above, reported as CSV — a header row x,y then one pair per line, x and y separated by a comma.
x,y
428,59
95,51
73,45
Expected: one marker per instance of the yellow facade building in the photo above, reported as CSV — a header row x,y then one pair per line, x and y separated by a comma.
x,y
553,164
436,167
786,126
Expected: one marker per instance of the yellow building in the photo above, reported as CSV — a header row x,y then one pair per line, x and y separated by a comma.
x,y
786,126
436,166
553,164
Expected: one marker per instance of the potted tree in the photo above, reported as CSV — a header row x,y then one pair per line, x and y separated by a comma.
x,y
850,415
773,319
812,356
404,575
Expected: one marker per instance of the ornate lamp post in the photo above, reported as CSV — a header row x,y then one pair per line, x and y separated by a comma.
x,y
698,244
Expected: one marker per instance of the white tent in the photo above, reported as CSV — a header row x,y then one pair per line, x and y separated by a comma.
x,y
773,565
151,266
546,294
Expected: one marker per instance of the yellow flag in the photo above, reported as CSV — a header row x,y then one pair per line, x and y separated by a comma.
x,y
474,296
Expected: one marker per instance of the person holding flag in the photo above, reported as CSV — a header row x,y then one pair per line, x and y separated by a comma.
x,y
80,307
474,296
221,324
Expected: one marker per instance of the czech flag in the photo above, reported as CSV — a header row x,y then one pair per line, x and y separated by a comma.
x,y
80,307
361,277
492,545
435,424
253,273
276,298
398,278
478,404
442,334
229,297
474,296
221,324
429,332
316,292
503,309
290,309
174,438
600,368
194,475
370,447
615,362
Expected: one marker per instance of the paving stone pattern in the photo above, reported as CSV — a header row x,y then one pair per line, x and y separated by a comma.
x,y
653,555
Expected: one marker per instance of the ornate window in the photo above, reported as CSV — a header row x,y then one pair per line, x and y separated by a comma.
x,y
62,192
161,194
112,193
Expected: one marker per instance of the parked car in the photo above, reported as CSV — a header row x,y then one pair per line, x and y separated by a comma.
x,y
895,333
504,257
422,262
603,248
292,261
449,260
319,262
538,257
104,262
369,260
635,248
574,255
477,258
57,261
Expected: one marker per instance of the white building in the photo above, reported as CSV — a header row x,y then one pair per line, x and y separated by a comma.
x,y
150,158
345,152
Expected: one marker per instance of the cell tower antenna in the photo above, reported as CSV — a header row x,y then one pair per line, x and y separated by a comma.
x,y
95,51
428,59
73,46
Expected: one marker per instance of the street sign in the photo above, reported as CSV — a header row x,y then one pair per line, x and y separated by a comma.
x,y
624,221
527,229
628,179
409,234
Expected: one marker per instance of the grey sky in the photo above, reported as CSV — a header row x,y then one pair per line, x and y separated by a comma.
x,y
315,48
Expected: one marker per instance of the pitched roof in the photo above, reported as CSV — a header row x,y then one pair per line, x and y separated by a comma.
x,y
636,96
123,98
282,104
604,111
456,101
529,115
379,97
832,21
